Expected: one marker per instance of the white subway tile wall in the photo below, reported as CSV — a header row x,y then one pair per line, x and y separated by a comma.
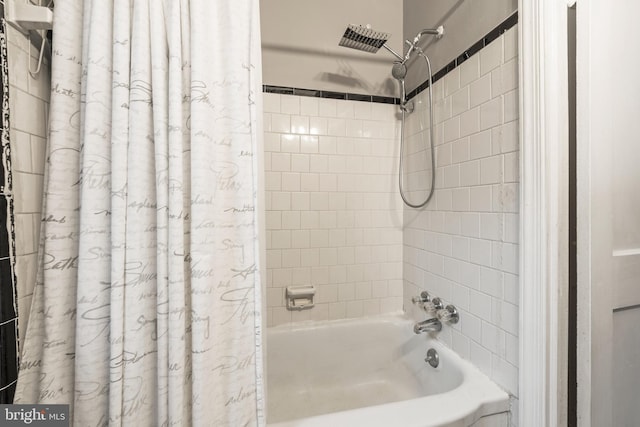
x,y
463,247
29,107
334,216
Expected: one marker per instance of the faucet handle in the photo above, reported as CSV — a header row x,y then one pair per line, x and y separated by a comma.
x,y
433,305
448,314
422,298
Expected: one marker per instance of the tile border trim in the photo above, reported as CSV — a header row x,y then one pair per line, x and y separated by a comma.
x,y
468,53
284,90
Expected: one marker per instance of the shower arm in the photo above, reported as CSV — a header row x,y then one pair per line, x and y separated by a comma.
x,y
438,32
393,52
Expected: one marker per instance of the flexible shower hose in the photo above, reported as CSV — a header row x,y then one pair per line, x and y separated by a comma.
x,y
431,143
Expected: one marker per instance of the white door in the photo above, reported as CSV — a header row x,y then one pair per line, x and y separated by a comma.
x,y
608,193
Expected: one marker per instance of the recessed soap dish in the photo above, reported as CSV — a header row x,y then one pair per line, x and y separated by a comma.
x,y
300,297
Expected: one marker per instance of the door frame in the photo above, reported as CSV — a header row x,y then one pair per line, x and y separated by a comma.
x,y
544,222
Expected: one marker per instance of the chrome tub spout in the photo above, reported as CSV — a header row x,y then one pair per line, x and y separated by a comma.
x,y
429,325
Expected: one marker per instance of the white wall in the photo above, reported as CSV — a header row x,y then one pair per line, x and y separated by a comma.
x,y
465,22
300,45
29,106
334,217
464,246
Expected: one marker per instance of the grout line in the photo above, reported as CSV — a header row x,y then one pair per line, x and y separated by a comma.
x,y
9,385
8,321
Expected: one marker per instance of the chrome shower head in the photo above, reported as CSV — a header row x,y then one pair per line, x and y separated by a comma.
x,y
363,38
366,40
399,70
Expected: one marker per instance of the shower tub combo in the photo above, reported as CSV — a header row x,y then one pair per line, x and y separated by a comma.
x,y
372,372
376,372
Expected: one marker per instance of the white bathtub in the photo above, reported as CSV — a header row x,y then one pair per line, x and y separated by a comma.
x,y
371,372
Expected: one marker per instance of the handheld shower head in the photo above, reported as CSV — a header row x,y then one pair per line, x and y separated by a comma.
x,y
399,70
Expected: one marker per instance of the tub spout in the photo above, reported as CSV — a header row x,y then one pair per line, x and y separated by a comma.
x,y
429,325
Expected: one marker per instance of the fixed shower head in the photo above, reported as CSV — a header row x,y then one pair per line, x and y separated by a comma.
x,y
363,38
399,70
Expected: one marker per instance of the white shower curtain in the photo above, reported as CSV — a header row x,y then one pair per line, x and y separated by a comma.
x,y
146,310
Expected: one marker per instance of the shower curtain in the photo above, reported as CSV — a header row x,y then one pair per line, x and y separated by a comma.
x,y
147,305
